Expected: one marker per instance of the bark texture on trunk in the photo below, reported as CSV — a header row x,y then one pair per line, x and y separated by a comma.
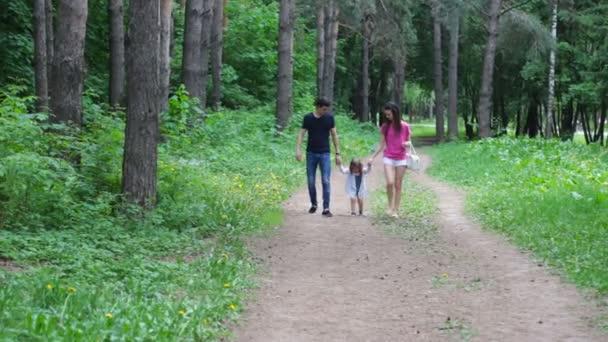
x,y
50,41
438,73
143,105
68,63
206,49
551,91
217,47
453,78
485,94
320,46
117,52
365,81
40,53
192,67
285,72
331,45
166,10
398,81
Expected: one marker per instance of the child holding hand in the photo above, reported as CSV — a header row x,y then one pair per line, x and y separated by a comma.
x,y
356,187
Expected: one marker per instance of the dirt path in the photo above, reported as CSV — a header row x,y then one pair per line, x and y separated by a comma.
x,y
344,279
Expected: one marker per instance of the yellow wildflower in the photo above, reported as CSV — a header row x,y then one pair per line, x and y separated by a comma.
x,y
71,289
182,312
49,286
445,275
232,307
227,285
109,315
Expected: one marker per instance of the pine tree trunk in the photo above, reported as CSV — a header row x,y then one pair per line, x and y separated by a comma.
x,y
192,69
166,10
285,73
398,80
217,47
331,45
438,73
365,82
68,63
320,47
117,52
485,94
453,78
206,48
551,90
40,51
50,41
143,105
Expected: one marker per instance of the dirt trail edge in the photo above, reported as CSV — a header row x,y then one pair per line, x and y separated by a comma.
x,y
344,279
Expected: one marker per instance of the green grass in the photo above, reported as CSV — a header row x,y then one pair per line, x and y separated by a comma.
x,y
550,197
418,206
89,270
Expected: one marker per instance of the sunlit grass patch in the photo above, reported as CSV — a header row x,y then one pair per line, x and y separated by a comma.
x,y
550,197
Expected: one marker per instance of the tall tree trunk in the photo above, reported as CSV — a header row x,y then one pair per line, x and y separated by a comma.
x,y
117,52
331,45
438,73
192,69
50,41
453,77
68,63
320,46
365,81
551,91
533,119
206,49
143,105
217,47
40,51
487,77
285,72
399,80
166,11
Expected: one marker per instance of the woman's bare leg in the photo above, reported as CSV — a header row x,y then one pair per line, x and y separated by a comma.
x,y
360,202
399,173
389,175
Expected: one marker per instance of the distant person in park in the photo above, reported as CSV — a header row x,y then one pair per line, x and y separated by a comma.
x,y
394,142
356,186
319,125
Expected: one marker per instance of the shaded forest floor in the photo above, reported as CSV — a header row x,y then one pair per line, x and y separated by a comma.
x,y
444,279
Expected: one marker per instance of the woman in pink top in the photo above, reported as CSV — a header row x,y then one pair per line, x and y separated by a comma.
x,y
394,140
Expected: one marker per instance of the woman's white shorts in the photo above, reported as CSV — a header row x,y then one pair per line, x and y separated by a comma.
x,y
394,162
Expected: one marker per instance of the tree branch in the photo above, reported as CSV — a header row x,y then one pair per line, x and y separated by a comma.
x,y
515,7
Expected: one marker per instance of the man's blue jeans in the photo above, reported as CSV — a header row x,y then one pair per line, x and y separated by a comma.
x,y
322,160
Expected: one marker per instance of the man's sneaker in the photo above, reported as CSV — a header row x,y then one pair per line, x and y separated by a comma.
x,y
327,213
312,209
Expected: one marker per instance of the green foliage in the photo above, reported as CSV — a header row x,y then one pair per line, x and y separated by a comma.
x,y
17,53
548,196
82,268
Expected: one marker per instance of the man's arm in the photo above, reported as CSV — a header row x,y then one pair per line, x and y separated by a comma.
x,y
334,138
299,144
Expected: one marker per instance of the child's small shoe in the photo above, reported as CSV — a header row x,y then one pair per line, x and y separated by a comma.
x,y
353,213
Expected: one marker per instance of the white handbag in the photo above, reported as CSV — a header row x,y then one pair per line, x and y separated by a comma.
x,y
413,161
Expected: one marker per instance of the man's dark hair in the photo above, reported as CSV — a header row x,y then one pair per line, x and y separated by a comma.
x,y
320,102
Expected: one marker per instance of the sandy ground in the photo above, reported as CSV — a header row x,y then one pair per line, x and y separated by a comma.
x,y
345,279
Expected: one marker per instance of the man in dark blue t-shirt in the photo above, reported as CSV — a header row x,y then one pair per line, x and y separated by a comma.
x,y
319,125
